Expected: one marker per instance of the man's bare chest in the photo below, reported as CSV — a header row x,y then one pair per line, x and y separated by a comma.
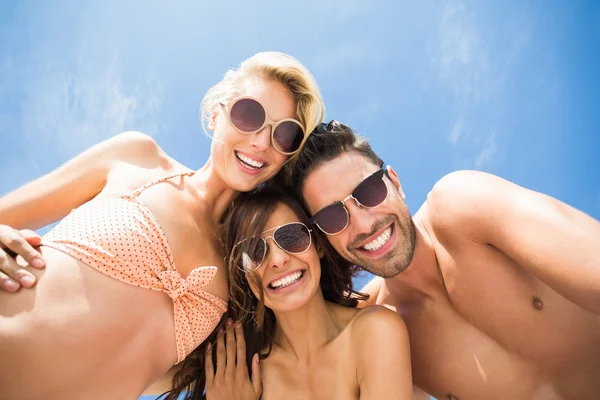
x,y
499,332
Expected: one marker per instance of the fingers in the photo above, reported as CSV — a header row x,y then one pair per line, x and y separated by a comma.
x,y
13,275
209,370
221,355
231,349
256,381
32,237
17,242
8,284
242,369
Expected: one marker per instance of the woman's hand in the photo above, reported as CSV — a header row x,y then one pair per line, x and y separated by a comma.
x,y
231,380
14,243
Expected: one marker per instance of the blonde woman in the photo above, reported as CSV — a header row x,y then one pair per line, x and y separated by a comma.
x,y
134,278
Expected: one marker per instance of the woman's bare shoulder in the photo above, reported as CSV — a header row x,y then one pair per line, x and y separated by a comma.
x,y
373,320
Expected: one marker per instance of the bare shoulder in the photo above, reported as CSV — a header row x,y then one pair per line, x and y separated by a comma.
x,y
136,147
382,352
459,190
463,200
377,322
135,159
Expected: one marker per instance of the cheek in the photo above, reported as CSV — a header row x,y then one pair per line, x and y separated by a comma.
x,y
278,159
337,242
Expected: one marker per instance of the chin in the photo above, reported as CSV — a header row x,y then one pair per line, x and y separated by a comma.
x,y
244,185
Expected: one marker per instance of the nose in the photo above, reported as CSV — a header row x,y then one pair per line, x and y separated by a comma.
x,y
261,140
276,258
361,220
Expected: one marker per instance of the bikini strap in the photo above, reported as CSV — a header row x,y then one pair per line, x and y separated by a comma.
x,y
139,190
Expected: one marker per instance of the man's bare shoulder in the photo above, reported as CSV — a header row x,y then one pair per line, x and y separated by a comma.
x,y
460,191
462,201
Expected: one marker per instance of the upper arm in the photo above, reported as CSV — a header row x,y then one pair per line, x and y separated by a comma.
x,y
54,195
383,355
164,383
550,239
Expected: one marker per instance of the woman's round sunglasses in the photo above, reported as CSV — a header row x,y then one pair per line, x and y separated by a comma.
x,y
248,116
370,193
293,238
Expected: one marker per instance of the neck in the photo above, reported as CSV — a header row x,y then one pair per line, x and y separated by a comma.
x,y
422,278
303,332
213,193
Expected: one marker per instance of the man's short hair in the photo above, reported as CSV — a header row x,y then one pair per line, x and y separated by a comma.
x,y
327,142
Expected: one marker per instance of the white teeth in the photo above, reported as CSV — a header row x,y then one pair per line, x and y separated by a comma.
x,y
378,243
248,161
286,280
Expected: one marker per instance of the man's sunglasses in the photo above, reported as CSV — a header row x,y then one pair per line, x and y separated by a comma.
x,y
248,116
293,238
370,193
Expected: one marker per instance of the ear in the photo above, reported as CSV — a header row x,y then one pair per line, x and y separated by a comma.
x,y
394,178
212,122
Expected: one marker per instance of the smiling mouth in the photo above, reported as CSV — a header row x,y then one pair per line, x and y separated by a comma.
x,y
379,241
286,280
248,162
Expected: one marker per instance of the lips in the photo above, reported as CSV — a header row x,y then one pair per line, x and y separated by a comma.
x,y
379,243
249,162
286,280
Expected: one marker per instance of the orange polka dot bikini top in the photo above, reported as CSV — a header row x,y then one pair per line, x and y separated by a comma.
x,y
119,236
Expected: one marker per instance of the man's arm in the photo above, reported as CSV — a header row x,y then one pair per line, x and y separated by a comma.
x,y
552,240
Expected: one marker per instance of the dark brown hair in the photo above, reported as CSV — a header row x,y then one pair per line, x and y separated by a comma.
x,y
327,142
248,218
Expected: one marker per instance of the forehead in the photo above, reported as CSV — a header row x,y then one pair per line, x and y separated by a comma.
x,y
283,214
274,96
335,180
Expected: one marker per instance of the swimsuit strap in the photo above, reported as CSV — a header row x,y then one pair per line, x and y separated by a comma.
x,y
139,190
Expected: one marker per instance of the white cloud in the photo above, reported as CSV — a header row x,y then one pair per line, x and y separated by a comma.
x,y
456,132
352,54
73,107
461,55
486,155
472,76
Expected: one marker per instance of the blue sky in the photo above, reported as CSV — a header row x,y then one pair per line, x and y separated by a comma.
x,y
507,87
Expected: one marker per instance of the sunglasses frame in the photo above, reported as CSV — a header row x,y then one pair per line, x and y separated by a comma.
x,y
380,173
267,121
272,237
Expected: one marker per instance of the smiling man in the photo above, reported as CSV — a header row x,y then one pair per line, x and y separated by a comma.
x,y
498,285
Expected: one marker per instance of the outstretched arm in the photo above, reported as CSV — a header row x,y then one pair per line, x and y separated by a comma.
x,y
380,341
51,197
552,240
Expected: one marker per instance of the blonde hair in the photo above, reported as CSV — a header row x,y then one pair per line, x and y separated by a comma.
x,y
279,67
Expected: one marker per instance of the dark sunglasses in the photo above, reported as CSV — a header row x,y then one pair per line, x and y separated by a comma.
x,y
293,238
370,193
248,116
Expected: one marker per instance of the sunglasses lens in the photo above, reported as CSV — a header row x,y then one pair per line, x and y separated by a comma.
x,y
288,136
332,219
247,115
250,254
372,191
293,238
